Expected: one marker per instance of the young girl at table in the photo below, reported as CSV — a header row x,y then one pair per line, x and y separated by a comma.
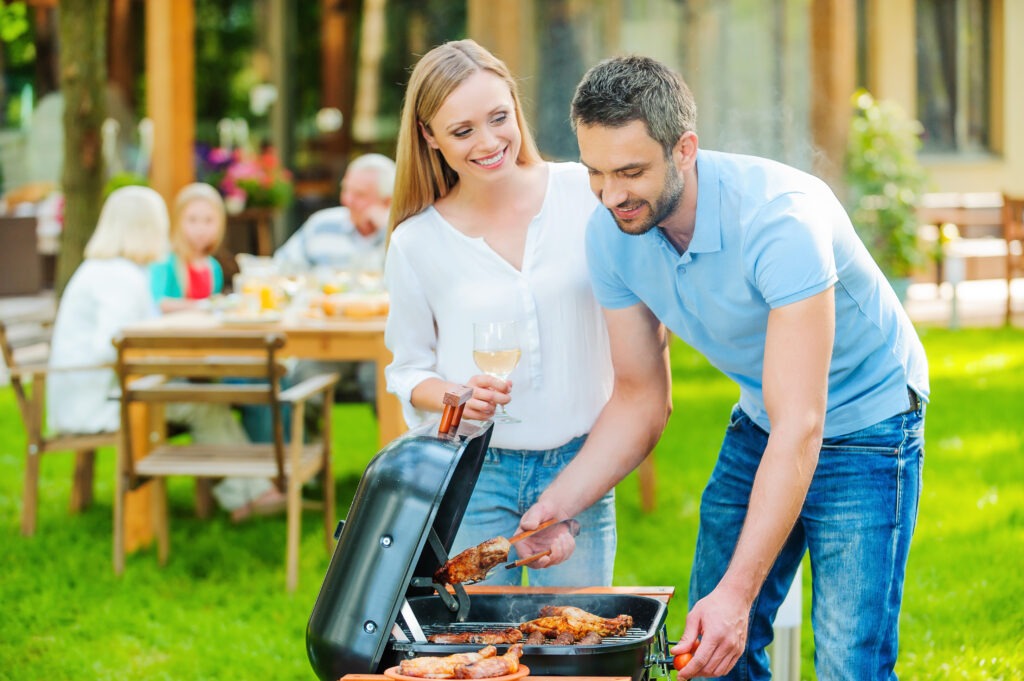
x,y
190,272
485,230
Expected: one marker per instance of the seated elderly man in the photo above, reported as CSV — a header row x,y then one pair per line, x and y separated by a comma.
x,y
350,236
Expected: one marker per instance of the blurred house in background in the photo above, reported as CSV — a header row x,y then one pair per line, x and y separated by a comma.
x,y
321,80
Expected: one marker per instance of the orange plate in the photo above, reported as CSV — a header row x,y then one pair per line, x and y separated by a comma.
x,y
392,673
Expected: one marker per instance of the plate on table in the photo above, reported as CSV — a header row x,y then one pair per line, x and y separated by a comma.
x,y
393,673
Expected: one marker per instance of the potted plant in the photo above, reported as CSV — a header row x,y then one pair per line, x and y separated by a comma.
x,y
885,180
247,181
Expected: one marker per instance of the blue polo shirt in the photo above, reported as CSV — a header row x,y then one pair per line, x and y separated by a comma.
x,y
767,235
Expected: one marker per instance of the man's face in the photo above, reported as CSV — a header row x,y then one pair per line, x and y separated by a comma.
x,y
360,194
630,175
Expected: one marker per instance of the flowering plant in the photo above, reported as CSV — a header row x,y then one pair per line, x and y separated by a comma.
x,y
245,180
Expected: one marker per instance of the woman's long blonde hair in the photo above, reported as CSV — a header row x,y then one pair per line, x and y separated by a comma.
x,y
423,176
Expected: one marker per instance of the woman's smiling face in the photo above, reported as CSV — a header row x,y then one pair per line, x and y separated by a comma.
x,y
475,128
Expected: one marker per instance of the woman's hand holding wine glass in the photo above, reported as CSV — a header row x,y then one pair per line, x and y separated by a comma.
x,y
496,352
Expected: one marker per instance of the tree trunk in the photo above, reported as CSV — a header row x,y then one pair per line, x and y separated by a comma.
x,y
83,75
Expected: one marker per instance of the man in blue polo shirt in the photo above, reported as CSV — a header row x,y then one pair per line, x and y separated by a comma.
x,y
756,265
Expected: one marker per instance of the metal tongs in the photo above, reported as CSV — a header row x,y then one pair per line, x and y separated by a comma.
x,y
571,524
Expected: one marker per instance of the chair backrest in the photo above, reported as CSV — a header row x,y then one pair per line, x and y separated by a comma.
x,y
161,367
1013,218
25,346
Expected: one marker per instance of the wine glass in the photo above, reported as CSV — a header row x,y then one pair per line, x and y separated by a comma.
x,y
496,351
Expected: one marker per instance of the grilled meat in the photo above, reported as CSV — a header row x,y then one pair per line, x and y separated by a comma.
x,y
536,638
591,638
443,667
491,667
558,619
486,637
474,562
564,638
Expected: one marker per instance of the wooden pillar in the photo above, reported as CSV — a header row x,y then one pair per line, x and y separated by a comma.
x,y
170,82
336,71
121,49
833,78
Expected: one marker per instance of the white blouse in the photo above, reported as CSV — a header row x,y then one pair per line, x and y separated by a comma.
x,y
441,281
102,296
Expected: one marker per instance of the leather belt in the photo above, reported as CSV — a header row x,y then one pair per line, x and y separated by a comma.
x,y
915,401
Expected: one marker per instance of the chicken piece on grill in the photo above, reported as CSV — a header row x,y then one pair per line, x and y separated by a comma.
x,y
474,562
491,667
556,619
443,667
486,637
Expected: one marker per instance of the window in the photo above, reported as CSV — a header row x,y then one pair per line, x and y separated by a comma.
x,y
954,81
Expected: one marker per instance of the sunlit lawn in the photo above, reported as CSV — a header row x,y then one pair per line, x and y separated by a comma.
x,y
219,610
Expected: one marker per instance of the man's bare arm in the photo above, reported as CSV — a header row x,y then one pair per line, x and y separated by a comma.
x,y
626,430
798,350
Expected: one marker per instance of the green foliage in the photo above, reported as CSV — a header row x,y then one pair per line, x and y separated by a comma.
x,y
885,180
16,34
219,610
123,179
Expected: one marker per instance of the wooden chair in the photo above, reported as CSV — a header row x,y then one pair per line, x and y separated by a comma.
x,y
159,368
1013,232
25,345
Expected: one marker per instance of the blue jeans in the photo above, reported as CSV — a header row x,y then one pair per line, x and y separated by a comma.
x,y
856,523
510,482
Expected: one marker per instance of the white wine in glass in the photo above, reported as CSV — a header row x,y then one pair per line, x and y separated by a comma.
x,y
496,351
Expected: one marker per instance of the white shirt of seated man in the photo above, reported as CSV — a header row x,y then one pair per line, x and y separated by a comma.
x,y
350,236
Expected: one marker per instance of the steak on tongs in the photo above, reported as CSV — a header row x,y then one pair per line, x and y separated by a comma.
x,y
473,564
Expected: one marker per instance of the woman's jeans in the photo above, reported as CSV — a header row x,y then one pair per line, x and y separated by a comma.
x,y
856,523
510,482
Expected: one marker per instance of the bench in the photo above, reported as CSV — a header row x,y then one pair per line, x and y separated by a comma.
x,y
977,236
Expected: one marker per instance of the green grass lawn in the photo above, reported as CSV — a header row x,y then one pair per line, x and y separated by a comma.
x,y
219,609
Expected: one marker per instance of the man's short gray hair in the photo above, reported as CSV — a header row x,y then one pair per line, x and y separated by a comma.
x,y
383,166
620,90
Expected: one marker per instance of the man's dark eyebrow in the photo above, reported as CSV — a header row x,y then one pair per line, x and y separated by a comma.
x,y
629,166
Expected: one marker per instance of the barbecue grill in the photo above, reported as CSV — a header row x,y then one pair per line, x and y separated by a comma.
x,y
378,600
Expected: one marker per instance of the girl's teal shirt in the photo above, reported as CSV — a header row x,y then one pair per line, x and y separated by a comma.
x,y
165,277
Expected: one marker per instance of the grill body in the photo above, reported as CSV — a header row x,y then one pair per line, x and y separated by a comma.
x,y
616,656
399,529
414,490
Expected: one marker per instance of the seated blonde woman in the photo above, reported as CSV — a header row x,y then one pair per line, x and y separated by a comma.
x,y
108,291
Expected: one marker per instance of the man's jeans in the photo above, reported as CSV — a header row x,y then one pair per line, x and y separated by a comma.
x,y
510,482
856,523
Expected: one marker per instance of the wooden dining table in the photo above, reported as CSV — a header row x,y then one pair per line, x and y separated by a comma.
x,y
331,339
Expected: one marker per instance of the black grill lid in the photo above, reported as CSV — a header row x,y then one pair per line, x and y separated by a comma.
x,y
412,495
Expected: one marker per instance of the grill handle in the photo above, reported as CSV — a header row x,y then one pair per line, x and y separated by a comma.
x,y
658,655
454,404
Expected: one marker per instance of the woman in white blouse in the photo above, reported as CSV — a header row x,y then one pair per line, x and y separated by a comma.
x,y
108,291
486,230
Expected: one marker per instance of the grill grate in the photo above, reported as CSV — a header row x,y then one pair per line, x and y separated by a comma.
x,y
633,634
